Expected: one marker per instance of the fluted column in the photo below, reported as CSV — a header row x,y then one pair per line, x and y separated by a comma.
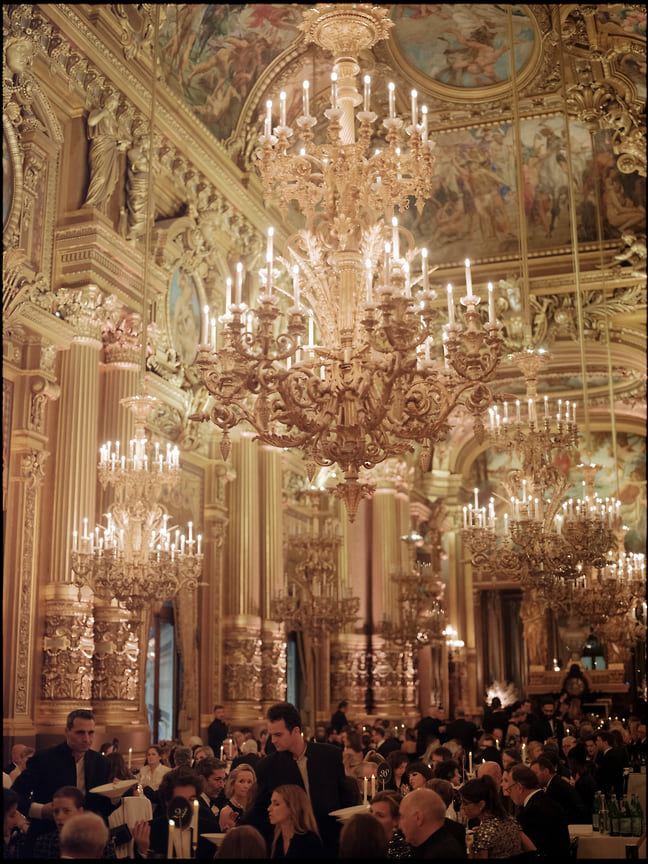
x,y
273,641
69,643
241,595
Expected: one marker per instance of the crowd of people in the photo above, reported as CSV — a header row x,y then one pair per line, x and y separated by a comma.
x,y
448,788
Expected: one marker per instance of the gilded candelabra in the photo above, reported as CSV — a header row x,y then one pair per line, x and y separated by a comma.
x,y
373,383
136,558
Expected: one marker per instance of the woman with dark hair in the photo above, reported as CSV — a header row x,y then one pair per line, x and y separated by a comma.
x,y
417,775
362,837
448,770
498,834
398,762
154,769
295,829
117,768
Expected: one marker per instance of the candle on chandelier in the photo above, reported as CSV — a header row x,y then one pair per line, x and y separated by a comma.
x,y
369,279
424,267
392,100
269,256
282,108
199,542
74,541
205,325
476,492
386,262
517,410
395,242
367,92
468,278
295,272
546,406
491,304
414,107
268,120
465,517
333,89
505,524
228,294
424,113
239,282
451,313
213,335
305,102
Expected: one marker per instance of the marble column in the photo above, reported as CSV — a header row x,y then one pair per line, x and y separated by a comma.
x,y
242,679
273,636
68,643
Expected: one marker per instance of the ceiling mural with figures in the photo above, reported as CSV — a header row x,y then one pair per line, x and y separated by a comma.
x,y
225,60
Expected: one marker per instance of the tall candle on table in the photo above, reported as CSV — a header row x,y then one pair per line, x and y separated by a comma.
x,y
469,762
170,843
373,785
130,757
364,797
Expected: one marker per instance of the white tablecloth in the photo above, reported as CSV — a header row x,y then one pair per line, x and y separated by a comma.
x,y
591,844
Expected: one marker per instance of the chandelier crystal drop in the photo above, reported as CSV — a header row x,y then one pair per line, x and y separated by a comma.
x,y
137,558
359,368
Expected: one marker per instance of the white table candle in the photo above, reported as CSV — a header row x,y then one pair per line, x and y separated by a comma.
x,y
130,757
170,843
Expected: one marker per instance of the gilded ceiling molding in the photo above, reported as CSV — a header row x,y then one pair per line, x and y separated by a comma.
x,y
136,23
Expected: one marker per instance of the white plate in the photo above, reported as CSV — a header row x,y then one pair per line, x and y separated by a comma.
x,y
347,812
215,838
114,790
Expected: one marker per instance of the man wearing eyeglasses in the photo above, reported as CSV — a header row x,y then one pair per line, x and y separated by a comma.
x,y
543,821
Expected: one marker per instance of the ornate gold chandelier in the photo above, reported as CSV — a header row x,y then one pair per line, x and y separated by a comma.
x,y
369,382
420,615
137,558
312,601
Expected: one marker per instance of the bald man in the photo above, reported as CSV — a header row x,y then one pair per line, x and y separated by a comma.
x,y
493,770
84,836
422,817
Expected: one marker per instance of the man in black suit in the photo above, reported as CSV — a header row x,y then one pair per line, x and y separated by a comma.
x,y
541,819
70,763
381,743
463,730
548,725
213,773
217,730
318,768
611,762
422,821
558,789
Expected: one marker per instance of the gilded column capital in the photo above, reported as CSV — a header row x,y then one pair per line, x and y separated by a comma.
x,y
122,335
85,310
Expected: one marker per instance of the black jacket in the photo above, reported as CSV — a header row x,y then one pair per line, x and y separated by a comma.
x,y
545,823
327,789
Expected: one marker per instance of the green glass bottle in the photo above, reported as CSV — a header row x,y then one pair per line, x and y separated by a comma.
x,y
614,817
596,811
637,816
625,820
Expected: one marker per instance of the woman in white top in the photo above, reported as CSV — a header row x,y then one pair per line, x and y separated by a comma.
x,y
153,771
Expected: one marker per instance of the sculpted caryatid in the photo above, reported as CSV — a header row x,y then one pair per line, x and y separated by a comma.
x,y
105,147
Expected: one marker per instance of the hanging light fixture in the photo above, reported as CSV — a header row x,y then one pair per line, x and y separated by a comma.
x,y
419,612
137,558
357,369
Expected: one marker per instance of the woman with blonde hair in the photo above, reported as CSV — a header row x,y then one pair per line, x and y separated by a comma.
x,y
240,790
295,829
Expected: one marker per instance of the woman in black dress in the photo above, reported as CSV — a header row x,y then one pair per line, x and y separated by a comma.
x,y
240,789
295,828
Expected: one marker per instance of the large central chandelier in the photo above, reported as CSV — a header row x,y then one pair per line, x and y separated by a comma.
x,y
419,614
374,376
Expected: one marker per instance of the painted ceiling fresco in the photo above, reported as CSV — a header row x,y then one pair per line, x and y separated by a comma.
x,y
225,60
